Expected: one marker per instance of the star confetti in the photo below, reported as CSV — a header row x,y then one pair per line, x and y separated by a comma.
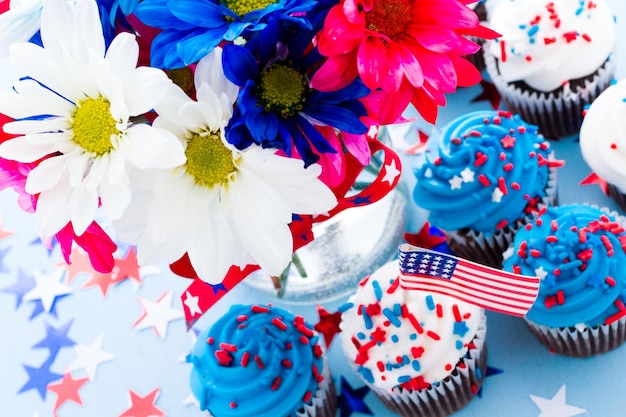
x,y
127,267
143,406
157,314
23,284
490,94
4,233
351,400
48,288
491,371
3,253
56,338
67,390
595,179
391,172
419,146
100,280
556,406
328,324
39,378
88,357
428,237
79,264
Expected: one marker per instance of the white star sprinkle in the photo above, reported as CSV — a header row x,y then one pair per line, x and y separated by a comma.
x,y
455,182
496,196
191,302
468,175
541,273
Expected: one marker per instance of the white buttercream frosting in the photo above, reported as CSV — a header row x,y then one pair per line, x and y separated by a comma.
x,y
545,43
603,135
402,338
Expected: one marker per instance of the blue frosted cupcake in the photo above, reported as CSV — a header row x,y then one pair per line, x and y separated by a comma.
x,y
482,177
261,361
578,251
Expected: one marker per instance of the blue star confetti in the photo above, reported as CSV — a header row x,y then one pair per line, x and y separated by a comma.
x,y
351,400
39,378
56,338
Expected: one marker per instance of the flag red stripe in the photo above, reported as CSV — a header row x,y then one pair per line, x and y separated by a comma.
x,y
429,282
496,272
470,278
517,309
481,287
509,281
521,312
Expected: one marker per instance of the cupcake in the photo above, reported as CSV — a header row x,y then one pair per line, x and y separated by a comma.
x,y
578,251
421,354
602,140
261,361
554,58
481,178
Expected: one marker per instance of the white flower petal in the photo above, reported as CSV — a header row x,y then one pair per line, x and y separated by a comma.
x,y
33,100
210,71
83,206
115,198
145,88
25,127
22,149
57,24
87,27
149,147
52,209
46,175
19,24
123,53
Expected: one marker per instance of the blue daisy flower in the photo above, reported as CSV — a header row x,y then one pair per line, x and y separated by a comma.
x,y
277,107
192,28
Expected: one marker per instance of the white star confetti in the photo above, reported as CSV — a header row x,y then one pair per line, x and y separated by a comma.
x,y
556,406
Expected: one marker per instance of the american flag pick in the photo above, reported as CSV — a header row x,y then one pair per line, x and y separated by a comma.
x,y
486,287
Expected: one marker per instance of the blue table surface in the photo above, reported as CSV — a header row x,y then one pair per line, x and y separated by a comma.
x,y
40,335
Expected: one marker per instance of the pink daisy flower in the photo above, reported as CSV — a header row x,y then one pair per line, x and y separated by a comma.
x,y
412,50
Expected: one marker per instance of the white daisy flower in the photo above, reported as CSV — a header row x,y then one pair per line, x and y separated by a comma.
x,y
222,206
73,107
19,23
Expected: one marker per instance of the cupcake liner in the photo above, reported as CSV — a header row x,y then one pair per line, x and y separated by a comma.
x,y
449,395
478,247
581,341
557,114
324,401
618,196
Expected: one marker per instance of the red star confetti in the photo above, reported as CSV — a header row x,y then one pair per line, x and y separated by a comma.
x,y
67,390
328,324
595,179
143,406
103,281
425,238
157,314
418,146
489,93
79,264
4,233
127,267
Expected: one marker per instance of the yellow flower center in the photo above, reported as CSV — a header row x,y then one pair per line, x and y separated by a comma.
x,y
243,7
208,160
389,17
282,90
93,125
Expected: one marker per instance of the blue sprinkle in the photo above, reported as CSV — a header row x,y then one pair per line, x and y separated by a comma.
x,y
397,309
459,345
366,318
460,328
360,335
388,366
579,11
430,303
345,307
531,40
392,317
416,365
367,374
413,336
394,338
522,27
533,30
377,290
405,360
404,378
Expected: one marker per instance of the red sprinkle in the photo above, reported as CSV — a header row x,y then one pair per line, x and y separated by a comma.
x,y
502,51
517,269
278,322
439,310
417,351
502,185
484,180
210,340
307,397
586,37
286,363
242,317
535,253
610,281
456,312
276,383
245,358
502,224
394,286
560,297
304,340
259,362
259,309
607,245
552,239
432,335
233,405
228,347
481,158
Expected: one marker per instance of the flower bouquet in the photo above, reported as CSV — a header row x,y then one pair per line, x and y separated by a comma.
x,y
213,134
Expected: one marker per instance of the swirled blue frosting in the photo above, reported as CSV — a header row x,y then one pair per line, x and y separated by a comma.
x,y
259,361
578,252
483,172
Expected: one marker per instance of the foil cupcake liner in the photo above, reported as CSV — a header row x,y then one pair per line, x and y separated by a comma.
x,y
449,395
324,401
557,114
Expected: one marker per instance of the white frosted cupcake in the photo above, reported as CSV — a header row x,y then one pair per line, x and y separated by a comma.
x,y
603,140
553,59
422,354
